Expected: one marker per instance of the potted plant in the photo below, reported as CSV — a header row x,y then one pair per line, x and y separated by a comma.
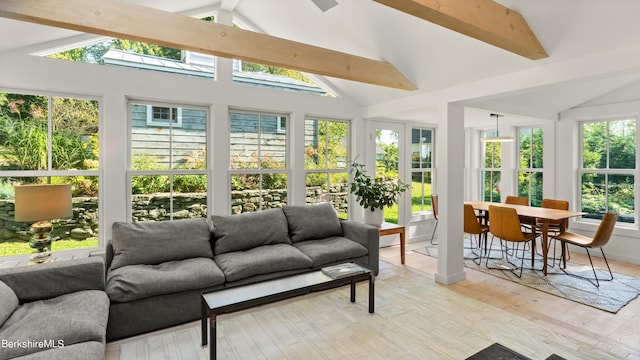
x,y
373,194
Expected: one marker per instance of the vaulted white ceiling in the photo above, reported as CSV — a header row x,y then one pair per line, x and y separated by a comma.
x,y
435,59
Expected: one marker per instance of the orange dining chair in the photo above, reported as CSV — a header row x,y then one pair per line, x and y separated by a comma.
x,y
518,200
600,239
555,227
434,208
525,221
504,224
473,227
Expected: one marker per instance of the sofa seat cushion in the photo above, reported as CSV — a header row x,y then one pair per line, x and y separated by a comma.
x,y
152,243
331,249
8,302
133,282
262,260
312,222
67,319
245,231
90,350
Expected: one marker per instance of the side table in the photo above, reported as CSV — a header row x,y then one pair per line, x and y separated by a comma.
x,y
391,228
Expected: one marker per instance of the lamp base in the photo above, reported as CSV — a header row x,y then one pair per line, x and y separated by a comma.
x,y
41,242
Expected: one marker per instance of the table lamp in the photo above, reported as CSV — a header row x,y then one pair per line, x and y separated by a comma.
x,y
42,203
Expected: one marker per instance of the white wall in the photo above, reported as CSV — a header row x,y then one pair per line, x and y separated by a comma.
x,y
625,242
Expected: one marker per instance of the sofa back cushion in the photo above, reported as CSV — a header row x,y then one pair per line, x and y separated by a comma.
x,y
8,302
312,222
153,243
246,231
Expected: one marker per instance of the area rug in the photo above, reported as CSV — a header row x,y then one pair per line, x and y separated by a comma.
x,y
611,296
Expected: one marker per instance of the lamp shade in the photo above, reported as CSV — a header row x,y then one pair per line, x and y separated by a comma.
x,y
42,202
497,137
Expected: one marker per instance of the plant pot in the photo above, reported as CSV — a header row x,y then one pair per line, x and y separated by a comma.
x,y
374,218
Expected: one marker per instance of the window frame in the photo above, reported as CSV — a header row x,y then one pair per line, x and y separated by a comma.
x,y
423,170
153,121
259,170
50,172
607,171
529,170
326,169
483,169
280,128
171,171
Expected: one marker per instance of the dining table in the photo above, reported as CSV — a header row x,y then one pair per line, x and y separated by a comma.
x,y
546,215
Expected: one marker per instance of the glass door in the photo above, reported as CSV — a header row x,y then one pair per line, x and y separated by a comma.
x,y
387,152
385,160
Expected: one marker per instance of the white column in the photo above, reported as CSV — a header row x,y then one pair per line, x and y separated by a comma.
x,y
219,163
224,66
295,138
450,179
115,196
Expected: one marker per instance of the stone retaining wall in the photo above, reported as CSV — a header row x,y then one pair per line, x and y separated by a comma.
x,y
83,224
155,207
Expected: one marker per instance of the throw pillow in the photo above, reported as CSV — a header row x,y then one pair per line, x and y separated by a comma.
x,y
246,231
153,243
8,302
312,222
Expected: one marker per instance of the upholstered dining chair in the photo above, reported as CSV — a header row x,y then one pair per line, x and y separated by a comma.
x,y
599,240
516,200
504,224
434,208
473,227
555,227
525,221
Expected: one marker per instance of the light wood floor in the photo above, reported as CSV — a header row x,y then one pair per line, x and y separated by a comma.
x,y
415,318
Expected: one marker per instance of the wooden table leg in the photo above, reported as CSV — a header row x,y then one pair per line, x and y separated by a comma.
x,y
545,245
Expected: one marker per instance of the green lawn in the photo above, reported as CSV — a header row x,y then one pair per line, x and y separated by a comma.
x,y
391,213
17,247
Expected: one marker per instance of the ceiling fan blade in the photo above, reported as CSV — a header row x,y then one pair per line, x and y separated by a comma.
x,y
325,5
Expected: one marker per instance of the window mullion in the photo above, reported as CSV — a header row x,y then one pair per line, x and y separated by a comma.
x,y
50,134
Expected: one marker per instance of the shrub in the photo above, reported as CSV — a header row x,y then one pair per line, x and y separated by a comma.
x,y
6,191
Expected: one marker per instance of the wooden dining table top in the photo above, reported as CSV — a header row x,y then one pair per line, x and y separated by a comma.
x,y
531,211
547,215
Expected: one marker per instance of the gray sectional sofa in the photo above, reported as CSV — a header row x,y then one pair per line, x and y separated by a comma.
x,y
156,271
54,311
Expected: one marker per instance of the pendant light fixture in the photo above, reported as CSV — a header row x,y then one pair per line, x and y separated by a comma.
x,y
497,137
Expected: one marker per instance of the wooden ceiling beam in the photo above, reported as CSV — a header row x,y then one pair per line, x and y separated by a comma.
x,y
485,20
129,21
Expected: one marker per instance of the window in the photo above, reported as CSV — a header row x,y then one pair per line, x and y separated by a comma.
x,y
50,140
421,169
258,173
281,125
530,145
490,170
168,170
164,116
608,167
326,150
